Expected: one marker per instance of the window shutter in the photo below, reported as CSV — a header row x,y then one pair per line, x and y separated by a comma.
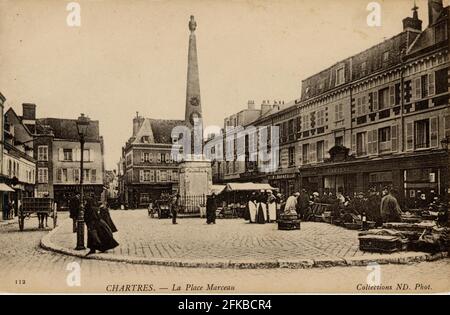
x,y
299,155
433,132
369,142
61,154
447,126
142,157
167,158
326,154
150,157
159,157
70,177
409,136
375,141
77,155
58,174
375,101
358,107
157,175
431,84
91,155
354,143
313,152
141,175
394,138
74,154
418,89
392,95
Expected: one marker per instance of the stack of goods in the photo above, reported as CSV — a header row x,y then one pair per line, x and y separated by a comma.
x,y
288,222
382,240
411,230
354,222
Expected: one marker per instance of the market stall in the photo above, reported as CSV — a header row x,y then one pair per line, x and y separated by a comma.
x,y
235,197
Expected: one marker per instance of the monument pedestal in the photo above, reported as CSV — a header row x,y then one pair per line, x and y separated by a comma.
x,y
195,177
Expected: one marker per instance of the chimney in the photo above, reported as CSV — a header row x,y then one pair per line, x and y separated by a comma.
x,y
435,8
265,107
251,104
413,23
137,123
29,111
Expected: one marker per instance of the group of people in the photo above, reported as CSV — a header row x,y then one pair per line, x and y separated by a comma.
x,y
262,208
98,221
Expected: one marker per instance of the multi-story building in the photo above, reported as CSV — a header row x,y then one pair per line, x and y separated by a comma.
x,y
378,118
57,152
150,170
18,165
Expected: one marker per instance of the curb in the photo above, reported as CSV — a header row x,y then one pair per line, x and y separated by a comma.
x,y
395,258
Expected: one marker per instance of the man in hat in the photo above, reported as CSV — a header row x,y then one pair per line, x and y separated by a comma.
x,y
211,208
175,204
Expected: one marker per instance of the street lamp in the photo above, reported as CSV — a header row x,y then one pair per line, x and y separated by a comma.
x,y
82,125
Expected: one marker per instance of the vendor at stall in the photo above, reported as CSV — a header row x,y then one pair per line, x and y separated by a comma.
x,y
389,208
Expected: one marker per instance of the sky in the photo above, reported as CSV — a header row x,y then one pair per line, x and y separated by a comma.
x,y
130,56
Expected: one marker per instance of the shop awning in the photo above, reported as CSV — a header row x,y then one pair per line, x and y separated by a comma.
x,y
248,187
217,189
6,188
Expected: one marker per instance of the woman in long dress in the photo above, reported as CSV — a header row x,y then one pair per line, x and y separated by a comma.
x,y
252,209
262,211
100,236
272,205
105,216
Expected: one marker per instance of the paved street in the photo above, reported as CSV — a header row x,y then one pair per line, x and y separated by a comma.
x,y
231,241
23,260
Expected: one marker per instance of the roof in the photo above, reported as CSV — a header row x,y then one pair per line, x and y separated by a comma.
x,y
157,130
427,39
67,128
217,189
247,186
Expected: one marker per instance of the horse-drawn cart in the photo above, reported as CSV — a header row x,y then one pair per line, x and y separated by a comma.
x,y
42,207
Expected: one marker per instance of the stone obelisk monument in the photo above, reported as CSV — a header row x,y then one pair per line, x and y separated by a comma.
x,y
195,171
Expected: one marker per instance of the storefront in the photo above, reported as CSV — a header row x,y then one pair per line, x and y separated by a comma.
x,y
410,174
286,182
139,196
62,193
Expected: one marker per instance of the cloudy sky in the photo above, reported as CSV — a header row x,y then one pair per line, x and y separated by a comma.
x,y
130,56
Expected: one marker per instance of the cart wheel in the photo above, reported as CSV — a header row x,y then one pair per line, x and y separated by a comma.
x,y
21,222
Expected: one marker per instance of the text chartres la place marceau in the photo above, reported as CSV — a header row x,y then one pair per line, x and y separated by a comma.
x,y
175,287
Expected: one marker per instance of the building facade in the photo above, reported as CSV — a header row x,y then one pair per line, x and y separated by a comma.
x,y
378,118
149,169
57,153
18,164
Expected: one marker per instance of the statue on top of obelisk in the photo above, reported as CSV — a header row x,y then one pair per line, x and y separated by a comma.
x,y
193,109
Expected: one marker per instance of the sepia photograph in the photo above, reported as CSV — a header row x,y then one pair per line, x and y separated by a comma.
x,y
224,147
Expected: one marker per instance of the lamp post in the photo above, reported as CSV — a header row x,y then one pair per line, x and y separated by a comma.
x,y
82,125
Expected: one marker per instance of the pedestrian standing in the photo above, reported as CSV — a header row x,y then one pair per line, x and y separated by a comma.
x,y
175,204
105,216
211,208
74,208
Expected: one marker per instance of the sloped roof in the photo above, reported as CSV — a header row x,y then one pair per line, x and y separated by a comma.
x,y
145,131
427,39
67,128
162,129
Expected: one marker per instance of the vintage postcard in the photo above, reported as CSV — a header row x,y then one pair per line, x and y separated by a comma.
x,y
224,147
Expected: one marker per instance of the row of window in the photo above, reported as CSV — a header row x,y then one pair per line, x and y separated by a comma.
x,y
155,176
150,157
65,175
67,155
14,170
70,175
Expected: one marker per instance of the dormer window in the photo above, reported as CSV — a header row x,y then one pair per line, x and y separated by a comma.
x,y
340,75
385,56
145,139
